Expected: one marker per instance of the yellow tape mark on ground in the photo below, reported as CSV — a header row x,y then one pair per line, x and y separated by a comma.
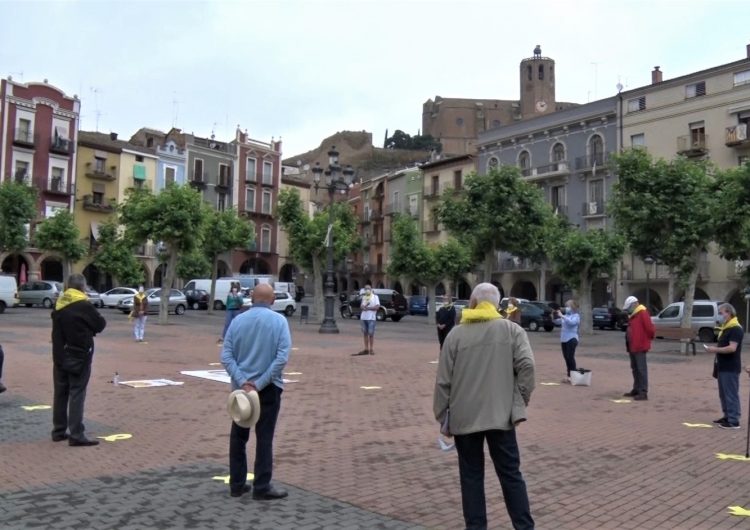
x,y
295,349
699,425
620,400
371,387
723,456
214,364
433,362
550,384
292,373
225,478
738,510
30,408
116,437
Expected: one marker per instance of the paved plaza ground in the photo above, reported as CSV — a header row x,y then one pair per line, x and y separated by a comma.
x,y
354,457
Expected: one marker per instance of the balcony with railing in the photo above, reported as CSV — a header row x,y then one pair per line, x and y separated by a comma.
x,y
19,177
593,208
553,169
433,192
198,179
736,136
99,172
223,182
691,145
24,137
394,208
62,146
560,210
97,205
505,263
365,217
591,161
376,215
57,186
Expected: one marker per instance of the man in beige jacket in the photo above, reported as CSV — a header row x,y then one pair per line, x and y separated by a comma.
x,y
484,363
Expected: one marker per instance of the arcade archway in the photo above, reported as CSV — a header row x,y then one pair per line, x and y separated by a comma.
x,y
523,289
52,269
255,266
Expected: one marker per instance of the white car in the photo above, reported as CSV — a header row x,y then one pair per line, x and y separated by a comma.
x,y
112,297
284,303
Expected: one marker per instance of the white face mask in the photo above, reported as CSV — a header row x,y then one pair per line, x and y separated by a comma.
x,y
140,289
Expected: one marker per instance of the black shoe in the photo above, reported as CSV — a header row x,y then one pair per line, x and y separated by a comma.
x,y
2,388
363,352
720,420
245,489
726,425
632,393
84,442
640,397
270,494
59,437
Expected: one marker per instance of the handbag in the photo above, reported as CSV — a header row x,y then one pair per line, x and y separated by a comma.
x,y
75,359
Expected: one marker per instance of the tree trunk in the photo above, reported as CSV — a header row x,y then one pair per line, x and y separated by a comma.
x,y
166,286
542,282
318,295
431,303
687,316
212,294
489,265
69,268
670,287
584,304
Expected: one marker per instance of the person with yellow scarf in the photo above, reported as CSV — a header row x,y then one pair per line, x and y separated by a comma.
x,y
139,314
728,365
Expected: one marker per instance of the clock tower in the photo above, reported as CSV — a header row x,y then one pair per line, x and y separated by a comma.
x,y
537,75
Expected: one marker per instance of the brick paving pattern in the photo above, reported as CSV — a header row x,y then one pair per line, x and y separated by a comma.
x,y
355,458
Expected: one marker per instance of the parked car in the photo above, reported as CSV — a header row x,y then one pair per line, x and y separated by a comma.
x,y
39,293
94,297
545,304
177,302
393,305
196,298
8,292
609,317
704,318
284,303
299,293
533,317
417,304
112,297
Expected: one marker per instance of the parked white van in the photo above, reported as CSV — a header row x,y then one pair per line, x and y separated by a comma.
x,y
223,286
704,319
8,292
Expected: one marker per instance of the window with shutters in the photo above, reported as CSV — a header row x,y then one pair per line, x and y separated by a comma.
x,y
695,90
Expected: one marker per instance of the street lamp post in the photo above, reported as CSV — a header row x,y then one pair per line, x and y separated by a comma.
x,y
336,179
649,261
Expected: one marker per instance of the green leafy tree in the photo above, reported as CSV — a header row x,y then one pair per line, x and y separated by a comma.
x,y
307,237
402,140
174,217
733,214
60,235
498,211
194,264
115,255
412,258
17,211
666,209
223,231
580,257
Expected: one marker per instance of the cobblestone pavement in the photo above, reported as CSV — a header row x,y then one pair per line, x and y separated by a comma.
x,y
357,457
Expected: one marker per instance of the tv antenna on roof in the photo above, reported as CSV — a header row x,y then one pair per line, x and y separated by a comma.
x,y
97,112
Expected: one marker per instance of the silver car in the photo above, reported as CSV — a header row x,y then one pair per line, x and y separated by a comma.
x,y
177,302
39,293
113,296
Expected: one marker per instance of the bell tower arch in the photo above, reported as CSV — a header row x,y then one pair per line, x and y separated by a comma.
x,y
537,76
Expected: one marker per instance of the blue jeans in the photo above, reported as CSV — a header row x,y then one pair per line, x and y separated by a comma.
x,y
139,328
368,327
507,461
729,395
231,313
270,403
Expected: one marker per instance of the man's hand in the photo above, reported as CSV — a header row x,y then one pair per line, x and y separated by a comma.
x,y
249,386
747,369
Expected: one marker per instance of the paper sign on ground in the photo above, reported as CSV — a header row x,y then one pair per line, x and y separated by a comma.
x,y
213,375
150,383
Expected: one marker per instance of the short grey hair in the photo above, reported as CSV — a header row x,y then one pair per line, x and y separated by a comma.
x,y
486,292
729,308
77,281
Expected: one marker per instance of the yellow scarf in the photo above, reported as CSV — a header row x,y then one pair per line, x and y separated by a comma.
x,y
483,312
140,296
638,309
731,323
70,296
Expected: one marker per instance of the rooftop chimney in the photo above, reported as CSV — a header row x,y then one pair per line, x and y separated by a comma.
x,y
656,75
113,136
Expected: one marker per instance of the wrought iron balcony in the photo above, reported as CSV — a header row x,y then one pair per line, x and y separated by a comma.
x,y
591,161
691,145
58,186
592,208
100,173
555,168
198,179
24,137
223,182
94,205
61,146
736,136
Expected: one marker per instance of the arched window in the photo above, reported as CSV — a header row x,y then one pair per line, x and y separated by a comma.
x,y
528,72
596,150
541,71
558,152
524,160
492,163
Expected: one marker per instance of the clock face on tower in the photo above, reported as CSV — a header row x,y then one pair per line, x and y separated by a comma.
x,y
541,106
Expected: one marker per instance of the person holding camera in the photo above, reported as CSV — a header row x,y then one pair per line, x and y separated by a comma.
x,y
569,321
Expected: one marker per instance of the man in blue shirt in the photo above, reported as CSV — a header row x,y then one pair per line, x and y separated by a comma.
x,y
256,350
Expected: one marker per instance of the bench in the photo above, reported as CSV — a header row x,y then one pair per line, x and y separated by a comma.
x,y
683,335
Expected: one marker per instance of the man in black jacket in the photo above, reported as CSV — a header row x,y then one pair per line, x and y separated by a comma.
x,y
445,320
74,324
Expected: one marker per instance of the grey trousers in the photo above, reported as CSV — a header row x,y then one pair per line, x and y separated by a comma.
x,y
67,406
639,367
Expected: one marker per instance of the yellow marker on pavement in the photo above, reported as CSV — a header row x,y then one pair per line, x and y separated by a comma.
x,y
35,407
722,456
225,478
295,349
738,510
214,364
370,387
116,437
550,384
699,425
292,373
620,400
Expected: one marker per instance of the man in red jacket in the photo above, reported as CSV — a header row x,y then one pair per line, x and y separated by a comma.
x,y
638,339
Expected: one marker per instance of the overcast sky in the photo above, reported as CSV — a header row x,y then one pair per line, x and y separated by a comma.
x,y
303,70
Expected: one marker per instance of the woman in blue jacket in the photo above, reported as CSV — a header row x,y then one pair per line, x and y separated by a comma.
x,y
569,320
